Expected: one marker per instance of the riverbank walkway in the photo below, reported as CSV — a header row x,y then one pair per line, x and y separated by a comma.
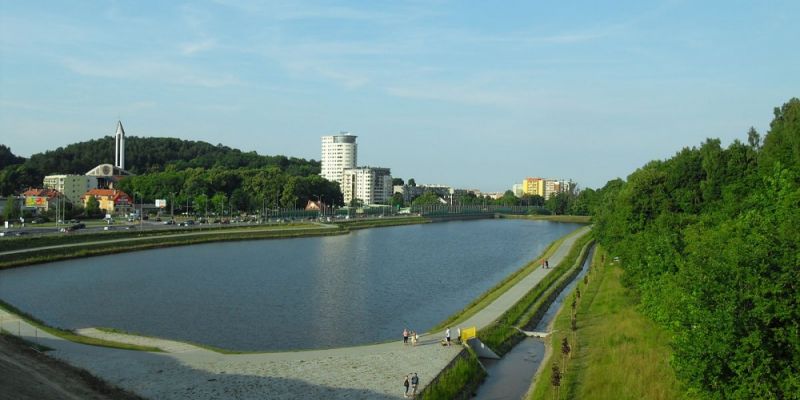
x,y
184,371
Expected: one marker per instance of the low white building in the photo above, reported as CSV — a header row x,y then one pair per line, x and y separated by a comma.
x,y
368,184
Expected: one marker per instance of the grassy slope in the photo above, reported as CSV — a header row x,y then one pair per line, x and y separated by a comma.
x,y
620,353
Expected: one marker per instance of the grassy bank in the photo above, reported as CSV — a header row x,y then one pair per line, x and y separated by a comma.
x,y
27,242
459,380
580,219
492,294
619,353
381,222
502,335
72,336
157,241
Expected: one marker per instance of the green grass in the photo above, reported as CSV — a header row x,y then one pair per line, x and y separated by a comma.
x,y
492,294
381,222
72,336
33,241
457,381
620,353
157,241
580,219
502,335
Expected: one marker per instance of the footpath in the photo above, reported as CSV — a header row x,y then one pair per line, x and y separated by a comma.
x,y
184,371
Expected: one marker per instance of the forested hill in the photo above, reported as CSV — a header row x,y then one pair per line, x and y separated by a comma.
x,y
142,155
710,239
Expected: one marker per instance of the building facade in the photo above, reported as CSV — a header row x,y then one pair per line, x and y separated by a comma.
x,y
111,201
71,186
339,152
544,187
370,185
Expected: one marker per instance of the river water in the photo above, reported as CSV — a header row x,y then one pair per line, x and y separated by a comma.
x,y
270,295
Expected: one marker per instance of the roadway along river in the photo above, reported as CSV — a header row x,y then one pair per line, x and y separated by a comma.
x,y
272,295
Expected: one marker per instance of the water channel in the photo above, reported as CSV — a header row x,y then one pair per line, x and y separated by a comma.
x,y
510,377
272,295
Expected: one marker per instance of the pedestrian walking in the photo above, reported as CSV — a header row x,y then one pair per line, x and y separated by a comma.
x,y
447,335
458,334
406,384
413,338
405,335
416,338
547,263
414,383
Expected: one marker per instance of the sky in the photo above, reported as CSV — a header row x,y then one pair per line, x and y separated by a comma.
x,y
472,94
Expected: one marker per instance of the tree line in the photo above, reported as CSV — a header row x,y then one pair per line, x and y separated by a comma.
x,y
143,155
709,239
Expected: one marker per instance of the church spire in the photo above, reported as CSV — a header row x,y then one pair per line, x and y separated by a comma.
x,y
119,146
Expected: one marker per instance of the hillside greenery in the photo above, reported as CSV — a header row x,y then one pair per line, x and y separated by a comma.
x,y
709,240
142,156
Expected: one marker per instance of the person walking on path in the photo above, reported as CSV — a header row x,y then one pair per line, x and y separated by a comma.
x,y
547,264
458,335
447,335
543,264
414,383
405,335
406,385
416,338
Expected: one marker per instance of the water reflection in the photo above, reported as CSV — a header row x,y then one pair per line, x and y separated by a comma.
x,y
285,294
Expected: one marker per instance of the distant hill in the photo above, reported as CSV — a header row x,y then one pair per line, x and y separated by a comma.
x,y
142,155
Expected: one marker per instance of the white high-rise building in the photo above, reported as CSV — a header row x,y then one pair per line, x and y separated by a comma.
x,y
370,185
338,152
119,147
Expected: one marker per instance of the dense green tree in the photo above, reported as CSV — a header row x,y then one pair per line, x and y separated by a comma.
x,y
92,208
397,200
426,199
709,239
412,182
8,158
397,182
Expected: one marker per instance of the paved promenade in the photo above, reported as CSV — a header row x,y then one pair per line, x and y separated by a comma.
x,y
187,372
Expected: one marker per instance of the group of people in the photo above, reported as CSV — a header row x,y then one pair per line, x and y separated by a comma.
x,y
545,263
411,380
411,336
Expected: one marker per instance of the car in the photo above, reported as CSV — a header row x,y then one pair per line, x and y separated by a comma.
x,y
189,222
169,222
158,219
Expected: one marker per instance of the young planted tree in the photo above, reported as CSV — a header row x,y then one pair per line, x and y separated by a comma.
x,y
555,380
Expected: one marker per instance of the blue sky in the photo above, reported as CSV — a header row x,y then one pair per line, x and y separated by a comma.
x,y
471,94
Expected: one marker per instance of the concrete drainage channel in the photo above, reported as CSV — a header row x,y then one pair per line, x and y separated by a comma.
x,y
511,376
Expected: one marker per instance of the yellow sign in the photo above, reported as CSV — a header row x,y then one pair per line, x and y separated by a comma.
x,y
35,201
468,333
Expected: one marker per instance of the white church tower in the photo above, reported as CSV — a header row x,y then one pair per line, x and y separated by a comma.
x,y
119,148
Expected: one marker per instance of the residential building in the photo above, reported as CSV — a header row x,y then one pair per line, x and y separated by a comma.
x,y
111,200
40,199
533,186
517,189
339,152
71,186
370,185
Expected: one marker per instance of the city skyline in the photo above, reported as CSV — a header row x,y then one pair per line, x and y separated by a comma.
x,y
469,95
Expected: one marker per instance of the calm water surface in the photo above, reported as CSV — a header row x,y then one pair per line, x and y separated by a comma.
x,y
285,294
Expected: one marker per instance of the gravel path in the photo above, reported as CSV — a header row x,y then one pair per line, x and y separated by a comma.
x,y
188,372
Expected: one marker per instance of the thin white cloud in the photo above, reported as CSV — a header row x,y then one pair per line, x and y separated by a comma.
x,y
151,71
191,48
